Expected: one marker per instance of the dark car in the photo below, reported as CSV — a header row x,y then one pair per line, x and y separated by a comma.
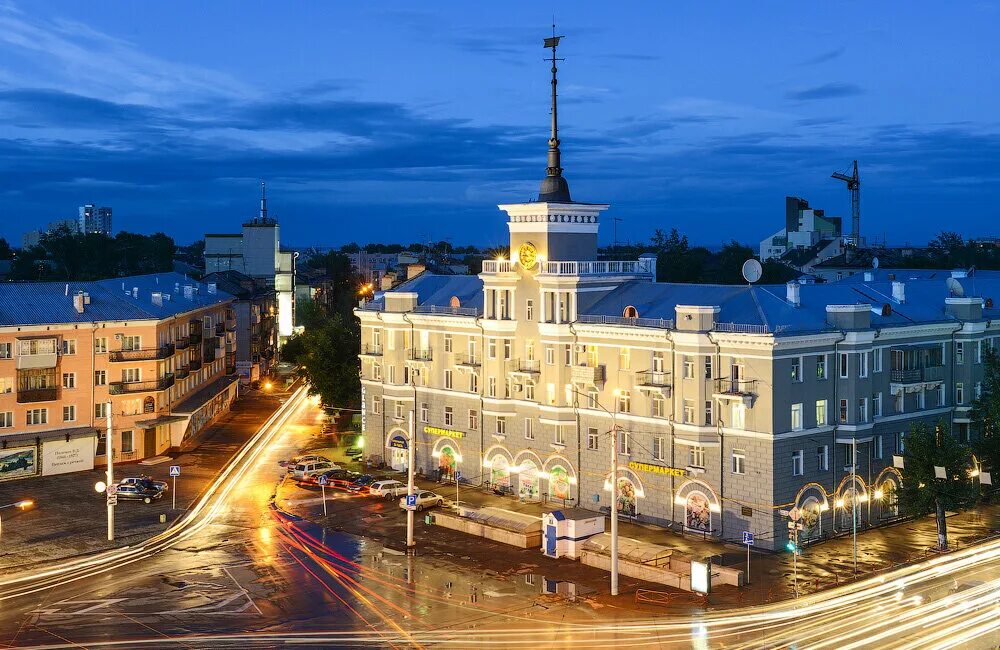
x,y
138,492
354,453
363,482
337,478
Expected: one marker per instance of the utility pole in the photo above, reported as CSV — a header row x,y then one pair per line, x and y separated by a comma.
x,y
614,509
109,449
854,499
410,543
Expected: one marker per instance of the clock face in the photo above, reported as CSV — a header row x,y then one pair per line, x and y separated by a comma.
x,y
527,256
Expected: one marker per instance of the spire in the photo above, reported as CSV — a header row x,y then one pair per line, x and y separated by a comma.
x,y
263,201
554,188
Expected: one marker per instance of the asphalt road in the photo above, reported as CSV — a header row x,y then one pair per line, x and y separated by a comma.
x,y
239,572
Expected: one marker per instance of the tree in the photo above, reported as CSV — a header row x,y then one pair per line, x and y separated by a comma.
x,y
327,357
985,413
922,491
5,250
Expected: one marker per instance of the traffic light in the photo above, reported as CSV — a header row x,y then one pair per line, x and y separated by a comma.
x,y
791,546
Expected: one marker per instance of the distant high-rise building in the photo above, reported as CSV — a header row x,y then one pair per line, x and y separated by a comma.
x,y
94,219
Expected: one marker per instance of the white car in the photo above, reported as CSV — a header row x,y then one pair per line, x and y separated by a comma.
x,y
387,489
311,468
424,500
307,458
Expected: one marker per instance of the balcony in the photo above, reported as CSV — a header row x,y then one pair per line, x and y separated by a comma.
x,y
195,336
37,395
220,329
615,267
209,355
917,375
144,354
414,354
371,350
524,366
182,343
194,365
654,379
468,360
588,375
733,389
182,372
125,388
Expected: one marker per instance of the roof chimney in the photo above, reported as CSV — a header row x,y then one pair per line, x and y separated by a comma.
x,y
188,292
793,293
869,276
78,302
211,287
135,292
899,292
157,298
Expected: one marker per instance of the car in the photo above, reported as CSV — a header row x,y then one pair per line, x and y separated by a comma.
x,y
146,482
311,468
138,492
337,477
424,500
302,458
355,453
388,489
362,483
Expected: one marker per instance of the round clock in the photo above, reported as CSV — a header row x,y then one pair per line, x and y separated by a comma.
x,y
527,256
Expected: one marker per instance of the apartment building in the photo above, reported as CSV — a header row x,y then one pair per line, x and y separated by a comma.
x,y
254,306
159,347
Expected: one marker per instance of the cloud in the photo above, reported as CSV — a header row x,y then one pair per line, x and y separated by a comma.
x,y
823,57
831,90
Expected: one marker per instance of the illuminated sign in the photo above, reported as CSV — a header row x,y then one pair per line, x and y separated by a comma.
x,y
447,433
398,442
657,469
701,576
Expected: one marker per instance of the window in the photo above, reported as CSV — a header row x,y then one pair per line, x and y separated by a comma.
x,y
69,346
134,342
821,367
659,406
739,461
624,402
550,393
6,385
37,416
128,442
797,458
940,395
101,410
796,417
843,411
473,382
624,443
959,393
900,442
658,448
708,367
899,401
862,364
696,456
491,348
863,409
820,412
501,425
877,405
4,350
688,367
877,447
377,371
376,407
708,412
979,351
529,309
101,345
738,413
877,360
959,352
424,413
823,458
560,435
922,400
843,365
659,362
550,356
392,374
131,375
593,439
592,397
32,347
6,419
491,386
447,343
568,355
797,369
69,380
689,411
447,379
979,389
100,377
397,410
69,413
624,358
507,345
473,419
449,416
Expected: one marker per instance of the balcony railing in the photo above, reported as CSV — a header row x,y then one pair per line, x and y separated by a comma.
x,y
727,386
419,355
613,267
588,374
37,395
465,359
209,355
195,337
220,329
656,378
599,319
371,350
145,354
446,311
183,343
126,387
182,372
917,375
498,266
532,366
194,365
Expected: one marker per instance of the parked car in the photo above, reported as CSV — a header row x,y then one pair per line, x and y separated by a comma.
x,y
362,483
311,468
138,492
424,500
302,458
388,489
354,453
145,482
337,477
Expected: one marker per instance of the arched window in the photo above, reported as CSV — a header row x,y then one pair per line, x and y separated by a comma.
x,y
149,405
630,312
455,303
697,514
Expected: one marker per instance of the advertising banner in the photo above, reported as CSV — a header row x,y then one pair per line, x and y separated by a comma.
x,y
18,462
60,457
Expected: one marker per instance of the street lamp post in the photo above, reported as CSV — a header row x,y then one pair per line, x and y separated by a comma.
x,y
109,450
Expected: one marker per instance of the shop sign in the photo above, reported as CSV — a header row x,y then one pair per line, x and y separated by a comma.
x,y
398,442
657,469
447,433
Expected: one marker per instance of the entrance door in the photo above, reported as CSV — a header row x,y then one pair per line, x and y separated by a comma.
x,y
550,541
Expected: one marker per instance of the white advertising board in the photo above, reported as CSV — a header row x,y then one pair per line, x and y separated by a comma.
x,y
60,457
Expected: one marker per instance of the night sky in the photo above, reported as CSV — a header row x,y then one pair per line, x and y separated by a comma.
x,y
411,121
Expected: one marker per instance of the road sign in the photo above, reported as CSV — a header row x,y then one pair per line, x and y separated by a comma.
x,y
322,480
794,514
113,500
112,489
175,470
411,500
748,538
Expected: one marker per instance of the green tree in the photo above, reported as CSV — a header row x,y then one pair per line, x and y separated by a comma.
x,y
6,252
922,492
327,357
985,413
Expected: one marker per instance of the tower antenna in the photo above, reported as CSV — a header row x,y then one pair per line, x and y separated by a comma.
x,y
554,187
263,201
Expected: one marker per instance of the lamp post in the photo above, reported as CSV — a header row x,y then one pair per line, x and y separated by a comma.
x,y
26,503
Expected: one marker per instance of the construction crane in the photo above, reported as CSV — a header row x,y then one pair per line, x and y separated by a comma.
x,y
854,186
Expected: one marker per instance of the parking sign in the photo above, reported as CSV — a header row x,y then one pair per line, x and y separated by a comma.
x,y
323,479
748,538
175,470
411,500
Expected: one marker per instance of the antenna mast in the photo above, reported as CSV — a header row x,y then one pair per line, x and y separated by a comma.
x,y
554,187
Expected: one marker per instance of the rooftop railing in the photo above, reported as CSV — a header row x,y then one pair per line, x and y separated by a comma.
x,y
447,311
609,267
599,319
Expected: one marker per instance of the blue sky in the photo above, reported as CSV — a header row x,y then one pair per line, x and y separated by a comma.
x,y
411,121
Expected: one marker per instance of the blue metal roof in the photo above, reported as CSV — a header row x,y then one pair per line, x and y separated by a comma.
x,y
49,303
437,290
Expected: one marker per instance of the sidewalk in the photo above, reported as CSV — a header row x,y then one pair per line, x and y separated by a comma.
x,y
69,518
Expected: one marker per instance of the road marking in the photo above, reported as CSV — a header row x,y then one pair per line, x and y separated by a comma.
x,y
245,592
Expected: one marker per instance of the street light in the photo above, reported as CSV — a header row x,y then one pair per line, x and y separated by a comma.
x,y
23,505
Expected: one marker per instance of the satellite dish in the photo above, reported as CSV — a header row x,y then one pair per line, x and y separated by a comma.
x,y
955,288
752,270
874,262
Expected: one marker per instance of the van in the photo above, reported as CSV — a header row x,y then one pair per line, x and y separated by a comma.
x,y
311,468
387,489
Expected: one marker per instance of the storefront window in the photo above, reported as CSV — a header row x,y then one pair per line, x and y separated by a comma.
x,y
697,516
447,464
500,472
627,498
559,486
528,489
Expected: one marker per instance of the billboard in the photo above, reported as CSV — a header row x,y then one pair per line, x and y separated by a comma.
x,y
18,462
60,457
